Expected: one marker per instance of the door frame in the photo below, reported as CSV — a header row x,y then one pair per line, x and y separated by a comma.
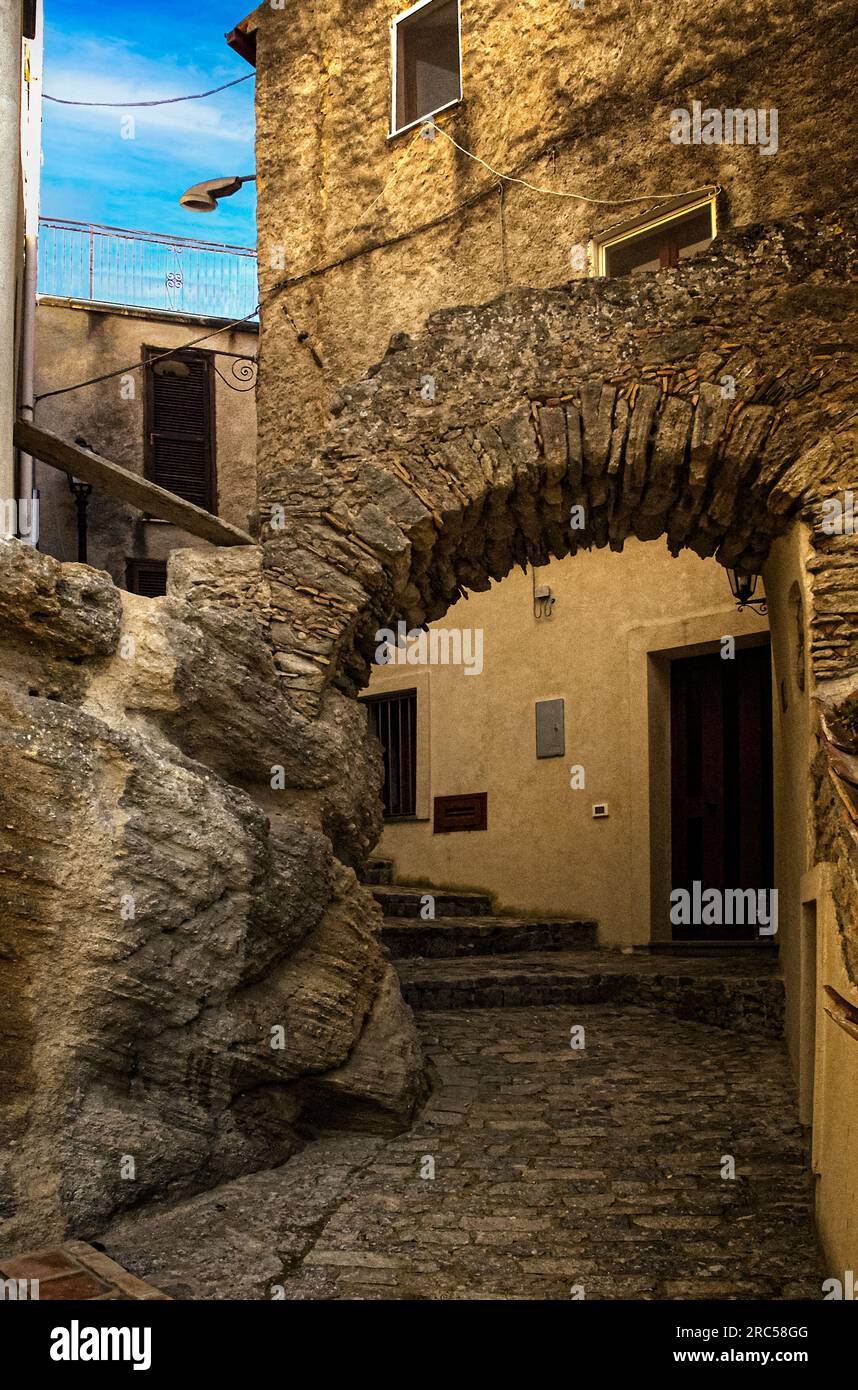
x,y
734,801
651,649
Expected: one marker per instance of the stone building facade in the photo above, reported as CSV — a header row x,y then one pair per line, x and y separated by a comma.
x,y
78,340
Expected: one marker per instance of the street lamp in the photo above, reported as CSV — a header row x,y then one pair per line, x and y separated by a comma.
x,y
743,588
204,197
81,493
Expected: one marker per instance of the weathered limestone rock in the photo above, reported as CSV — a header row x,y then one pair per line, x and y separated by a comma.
x,y
72,608
166,916
382,1082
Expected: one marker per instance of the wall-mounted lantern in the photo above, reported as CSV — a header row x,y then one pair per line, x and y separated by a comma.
x,y
743,588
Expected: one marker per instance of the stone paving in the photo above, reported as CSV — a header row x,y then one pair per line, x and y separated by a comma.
x,y
558,1173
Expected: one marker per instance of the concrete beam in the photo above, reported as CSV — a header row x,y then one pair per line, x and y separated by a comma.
x,y
126,486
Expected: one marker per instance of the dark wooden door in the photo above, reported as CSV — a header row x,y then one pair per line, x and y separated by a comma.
x,y
721,777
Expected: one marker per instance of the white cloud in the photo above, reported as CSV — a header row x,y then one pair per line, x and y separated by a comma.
x,y
93,71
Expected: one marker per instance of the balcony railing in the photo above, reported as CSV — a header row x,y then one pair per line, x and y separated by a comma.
x,y
84,261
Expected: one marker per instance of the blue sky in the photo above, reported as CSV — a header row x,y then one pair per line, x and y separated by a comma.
x,y
102,50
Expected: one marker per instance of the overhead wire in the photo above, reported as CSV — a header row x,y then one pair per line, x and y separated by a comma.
x,y
160,101
290,282
562,192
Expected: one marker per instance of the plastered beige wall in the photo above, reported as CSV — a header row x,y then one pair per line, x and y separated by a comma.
x,y
823,1056
792,736
77,342
615,617
835,1093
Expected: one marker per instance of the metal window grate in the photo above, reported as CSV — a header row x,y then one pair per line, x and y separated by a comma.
x,y
393,720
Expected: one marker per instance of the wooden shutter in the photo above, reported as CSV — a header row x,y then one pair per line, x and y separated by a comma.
x,y
180,442
147,577
668,253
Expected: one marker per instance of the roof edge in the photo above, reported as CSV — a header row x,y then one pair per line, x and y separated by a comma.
x,y
243,39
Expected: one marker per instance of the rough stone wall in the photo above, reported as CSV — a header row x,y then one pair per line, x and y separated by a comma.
x,y
605,394
570,99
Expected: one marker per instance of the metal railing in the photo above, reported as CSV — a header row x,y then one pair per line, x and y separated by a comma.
x,y
85,261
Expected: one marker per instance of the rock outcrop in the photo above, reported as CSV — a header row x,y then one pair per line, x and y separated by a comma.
x,y
184,942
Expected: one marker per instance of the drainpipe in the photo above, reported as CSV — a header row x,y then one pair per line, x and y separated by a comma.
x,y
10,94
31,158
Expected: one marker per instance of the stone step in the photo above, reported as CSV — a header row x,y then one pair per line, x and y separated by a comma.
x,y
736,991
709,947
450,937
398,901
377,871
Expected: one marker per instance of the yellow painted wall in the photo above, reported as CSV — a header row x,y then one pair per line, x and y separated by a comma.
x,y
835,1096
543,851
824,1057
787,594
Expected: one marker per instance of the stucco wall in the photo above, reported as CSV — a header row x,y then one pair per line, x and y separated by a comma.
x,y
824,1057
570,99
75,342
835,1089
793,737
543,851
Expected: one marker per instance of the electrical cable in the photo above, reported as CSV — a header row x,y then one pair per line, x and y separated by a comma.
x,y
163,101
136,366
559,192
236,323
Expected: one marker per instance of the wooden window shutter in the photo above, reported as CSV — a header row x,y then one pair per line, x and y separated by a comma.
x,y
147,577
180,445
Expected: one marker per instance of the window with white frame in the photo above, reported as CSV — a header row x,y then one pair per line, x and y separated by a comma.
x,y
427,67
658,239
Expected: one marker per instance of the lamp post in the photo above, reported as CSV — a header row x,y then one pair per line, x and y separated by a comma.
x,y
743,588
80,491
204,197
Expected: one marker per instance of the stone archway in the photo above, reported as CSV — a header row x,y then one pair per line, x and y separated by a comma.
x,y
194,971
704,404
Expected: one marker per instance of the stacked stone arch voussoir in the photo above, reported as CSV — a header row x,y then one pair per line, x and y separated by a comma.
x,y
685,405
